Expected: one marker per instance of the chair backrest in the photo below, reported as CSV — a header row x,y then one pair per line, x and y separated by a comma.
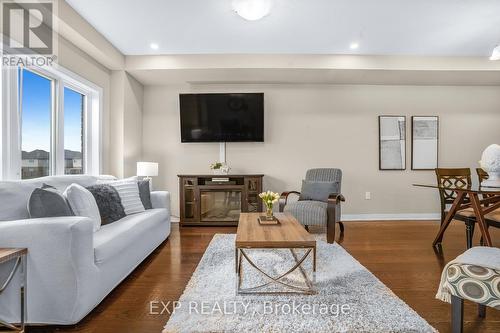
x,y
325,175
481,174
455,177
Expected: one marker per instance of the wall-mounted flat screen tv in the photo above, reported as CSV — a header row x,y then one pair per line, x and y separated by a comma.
x,y
222,117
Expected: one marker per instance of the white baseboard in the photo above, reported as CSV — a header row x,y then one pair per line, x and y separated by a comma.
x,y
390,217
371,217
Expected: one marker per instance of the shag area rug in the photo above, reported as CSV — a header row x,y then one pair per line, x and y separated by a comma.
x,y
349,298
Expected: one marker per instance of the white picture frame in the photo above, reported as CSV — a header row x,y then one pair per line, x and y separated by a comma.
x,y
424,142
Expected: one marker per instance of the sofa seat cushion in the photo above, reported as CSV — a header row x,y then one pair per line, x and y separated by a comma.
x,y
112,238
308,212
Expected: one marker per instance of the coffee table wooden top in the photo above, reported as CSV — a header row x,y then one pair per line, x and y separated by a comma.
x,y
7,254
288,234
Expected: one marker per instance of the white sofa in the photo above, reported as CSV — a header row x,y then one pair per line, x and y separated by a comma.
x,y
70,268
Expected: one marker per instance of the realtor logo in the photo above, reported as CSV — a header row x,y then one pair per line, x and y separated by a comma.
x,y
27,28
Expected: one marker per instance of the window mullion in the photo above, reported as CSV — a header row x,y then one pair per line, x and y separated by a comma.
x,y
58,133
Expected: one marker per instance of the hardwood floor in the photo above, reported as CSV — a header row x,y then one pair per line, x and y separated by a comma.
x,y
399,253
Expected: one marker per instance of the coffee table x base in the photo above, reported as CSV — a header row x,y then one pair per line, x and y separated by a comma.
x,y
241,255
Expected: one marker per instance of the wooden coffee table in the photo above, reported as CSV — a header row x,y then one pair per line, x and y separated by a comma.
x,y
289,234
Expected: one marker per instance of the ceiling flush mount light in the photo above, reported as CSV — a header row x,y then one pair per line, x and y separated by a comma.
x,y
154,46
495,55
354,45
252,10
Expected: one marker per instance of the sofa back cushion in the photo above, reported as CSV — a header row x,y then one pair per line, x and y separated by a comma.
x,y
14,195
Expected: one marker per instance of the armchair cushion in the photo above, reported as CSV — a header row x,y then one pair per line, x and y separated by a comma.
x,y
317,191
308,212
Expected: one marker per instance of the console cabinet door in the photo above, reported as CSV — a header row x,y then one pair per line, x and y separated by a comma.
x,y
252,202
189,199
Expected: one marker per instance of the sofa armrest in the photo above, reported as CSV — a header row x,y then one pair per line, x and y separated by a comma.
x,y
60,263
160,199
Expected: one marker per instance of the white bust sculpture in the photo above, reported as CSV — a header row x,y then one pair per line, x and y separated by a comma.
x,y
490,162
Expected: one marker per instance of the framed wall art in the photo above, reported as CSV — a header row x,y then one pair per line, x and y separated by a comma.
x,y
392,142
424,142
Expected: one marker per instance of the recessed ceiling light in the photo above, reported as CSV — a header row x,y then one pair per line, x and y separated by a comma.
x,y
495,55
154,46
252,10
354,46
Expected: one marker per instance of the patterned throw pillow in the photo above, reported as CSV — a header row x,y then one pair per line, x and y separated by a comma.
x,y
129,195
108,201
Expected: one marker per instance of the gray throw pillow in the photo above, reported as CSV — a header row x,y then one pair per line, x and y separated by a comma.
x,y
108,201
145,193
47,201
317,191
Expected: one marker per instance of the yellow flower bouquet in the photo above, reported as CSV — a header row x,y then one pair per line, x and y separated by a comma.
x,y
269,199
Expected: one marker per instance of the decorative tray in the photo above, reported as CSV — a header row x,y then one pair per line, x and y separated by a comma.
x,y
264,220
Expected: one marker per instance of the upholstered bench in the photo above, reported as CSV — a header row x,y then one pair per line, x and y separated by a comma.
x,y
473,276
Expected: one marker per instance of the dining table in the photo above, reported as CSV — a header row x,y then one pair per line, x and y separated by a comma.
x,y
482,199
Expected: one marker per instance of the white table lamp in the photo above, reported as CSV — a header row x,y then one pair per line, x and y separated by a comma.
x,y
147,169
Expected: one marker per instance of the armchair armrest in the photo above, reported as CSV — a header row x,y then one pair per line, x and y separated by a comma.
x,y
335,198
160,199
284,199
333,215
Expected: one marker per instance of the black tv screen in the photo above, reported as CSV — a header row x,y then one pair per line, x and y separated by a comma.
x,y
222,117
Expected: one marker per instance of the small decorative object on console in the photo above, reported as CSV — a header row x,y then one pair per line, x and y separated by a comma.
x,y
490,162
269,198
219,168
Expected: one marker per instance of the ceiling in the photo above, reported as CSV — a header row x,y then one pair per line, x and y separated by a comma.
x,y
381,27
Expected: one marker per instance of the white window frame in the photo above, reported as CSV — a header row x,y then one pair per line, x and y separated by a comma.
x,y
10,129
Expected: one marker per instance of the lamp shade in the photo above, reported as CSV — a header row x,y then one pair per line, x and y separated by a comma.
x,y
147,169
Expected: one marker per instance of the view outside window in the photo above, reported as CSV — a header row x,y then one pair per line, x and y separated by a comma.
x,y
73,131
36,99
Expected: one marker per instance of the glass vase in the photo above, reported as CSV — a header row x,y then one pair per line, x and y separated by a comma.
x,y
269,213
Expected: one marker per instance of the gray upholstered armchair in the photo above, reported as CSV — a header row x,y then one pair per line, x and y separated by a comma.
x,y
319,201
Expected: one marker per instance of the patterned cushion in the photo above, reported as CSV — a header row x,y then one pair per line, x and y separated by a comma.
x,y
308,212
474,283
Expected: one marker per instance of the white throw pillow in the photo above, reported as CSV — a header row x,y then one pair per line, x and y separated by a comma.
x,y
83,203
128,190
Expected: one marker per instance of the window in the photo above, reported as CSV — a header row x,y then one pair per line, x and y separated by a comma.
x,y
36,110
52,123
74,105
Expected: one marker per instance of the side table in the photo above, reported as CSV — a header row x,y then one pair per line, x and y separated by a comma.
x,y
19,255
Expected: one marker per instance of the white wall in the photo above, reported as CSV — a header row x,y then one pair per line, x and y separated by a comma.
x,y
126,124
310,126
132,132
